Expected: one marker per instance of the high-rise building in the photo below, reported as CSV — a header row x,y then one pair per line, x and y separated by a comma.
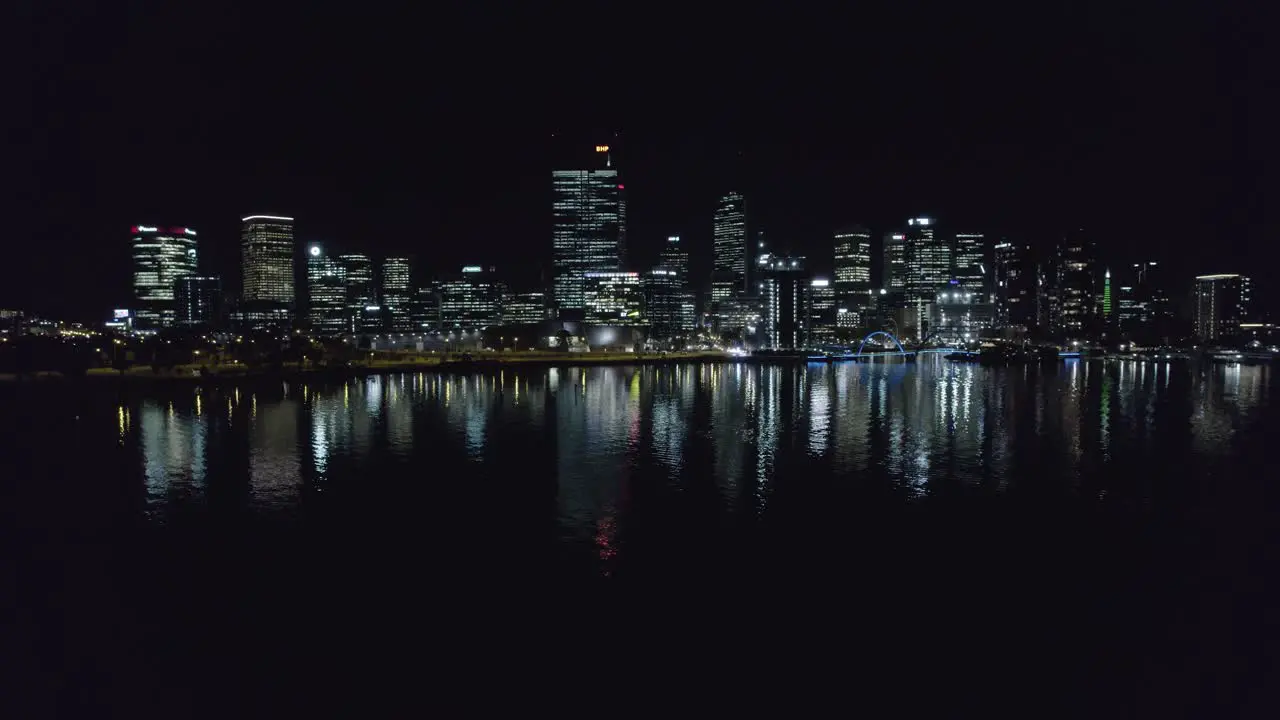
x,y
852,275
266,263
613,298
160,257
663,301
1015,287
396,294
589,231
675,257
361,293
968,266
1074,299
326,293
784,291
894,269
927,256
821,312
424,310
1222,303
198,301
471,300
730,238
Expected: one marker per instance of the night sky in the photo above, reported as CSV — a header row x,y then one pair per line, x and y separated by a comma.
x,y
429,134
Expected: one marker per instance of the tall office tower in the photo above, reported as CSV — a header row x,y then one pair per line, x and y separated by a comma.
x,y
1075,293
1222,303
1014,284
927,257
613,298
675,257
821,312
361,293
589,225
894,270
663,301
471,300
969,264
1155,317
784,290
852,275
326,293
198,301
266,269
160,257
729,269
424,310
396,294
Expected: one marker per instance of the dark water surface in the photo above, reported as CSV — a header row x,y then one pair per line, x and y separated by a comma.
x,y
1091,538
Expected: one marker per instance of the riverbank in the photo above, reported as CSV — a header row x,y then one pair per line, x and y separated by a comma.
x,y
380,366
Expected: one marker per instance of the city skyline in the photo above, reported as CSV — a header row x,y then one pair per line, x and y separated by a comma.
x,y
1089,128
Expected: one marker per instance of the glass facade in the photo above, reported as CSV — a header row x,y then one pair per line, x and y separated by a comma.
x,y
613,298
730,245
969,267
1222,303
783,292
589,226
1014,281
160,257
198,301
1075,298
266,262
396,294
326,293
852,274
821,313
360,292
894,271
470,301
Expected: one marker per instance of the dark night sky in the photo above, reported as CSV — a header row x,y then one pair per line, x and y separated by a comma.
x,y
428,134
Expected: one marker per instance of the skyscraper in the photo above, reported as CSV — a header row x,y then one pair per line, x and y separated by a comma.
x,y
589,226
266,268
1015,286
160,257
360,291
1222,302
894,271
821,312
852,274
968,267
730,247
614,298
1074,302
927,256
471,300
326,293
396,294
198,301
675,257
784,292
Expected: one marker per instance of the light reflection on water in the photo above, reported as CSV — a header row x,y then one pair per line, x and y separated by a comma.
x,y
606,435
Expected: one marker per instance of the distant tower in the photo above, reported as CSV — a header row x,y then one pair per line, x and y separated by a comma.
x,y
395,293
160,257
730,238
589,227
853,274
266,268
326,293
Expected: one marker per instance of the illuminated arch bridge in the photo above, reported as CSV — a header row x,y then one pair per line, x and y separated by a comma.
x,y
846,352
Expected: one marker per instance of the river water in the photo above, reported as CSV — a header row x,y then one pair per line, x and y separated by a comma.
x,y
1108,526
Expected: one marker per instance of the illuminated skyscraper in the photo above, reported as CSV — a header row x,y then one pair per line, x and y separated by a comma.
x,y
821,301
266,268
1222,303
160,257
326,293
589,230
894,272
730,238
853,274
470,301
1074,299
784,290
396,294
968,267
1015,287
675,257
927,256
360,292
